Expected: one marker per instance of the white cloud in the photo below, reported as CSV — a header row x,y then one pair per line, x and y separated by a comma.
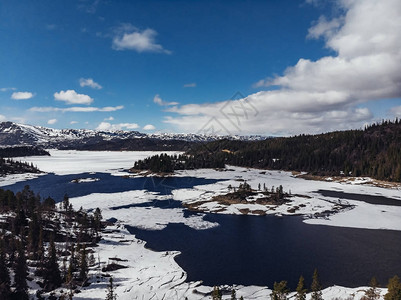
x,y
6,89
128,37
72,97
149,127
158,100
3,118
109,119
325,28
326,94
22,95
73,122
187,85
52,121
105,126
89,82
76,109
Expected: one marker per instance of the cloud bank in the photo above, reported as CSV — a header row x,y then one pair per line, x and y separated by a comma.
x,y
322,95
105,126
76,109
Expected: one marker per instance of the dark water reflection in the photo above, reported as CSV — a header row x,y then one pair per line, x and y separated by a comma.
x,y
253,250
56,186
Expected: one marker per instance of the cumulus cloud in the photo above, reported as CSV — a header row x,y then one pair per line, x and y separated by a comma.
x,y
76,109
73,122
105,126
322,95
325,28
149,127
52,121
22,95
189,85
89,82
159,101
109,119
128,37
72,97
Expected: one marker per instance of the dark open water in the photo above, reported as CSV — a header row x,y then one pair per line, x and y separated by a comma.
x,y
249,249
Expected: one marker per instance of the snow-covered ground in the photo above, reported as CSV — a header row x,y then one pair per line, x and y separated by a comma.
x,y
309,203
156,275
63,162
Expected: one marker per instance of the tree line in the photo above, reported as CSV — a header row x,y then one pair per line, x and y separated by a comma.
x,y
374,152
281,291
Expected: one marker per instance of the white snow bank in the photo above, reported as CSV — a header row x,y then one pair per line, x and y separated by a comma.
x,y
143,217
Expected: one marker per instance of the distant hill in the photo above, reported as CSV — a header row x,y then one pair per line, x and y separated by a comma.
x,y
12,134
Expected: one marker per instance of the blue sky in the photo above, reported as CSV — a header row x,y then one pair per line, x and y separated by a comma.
x,y
173,66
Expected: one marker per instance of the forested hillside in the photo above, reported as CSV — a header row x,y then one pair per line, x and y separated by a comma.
x,y
374,151
37,238
19,151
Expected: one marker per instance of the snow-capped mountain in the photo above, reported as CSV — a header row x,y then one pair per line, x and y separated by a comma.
x,y
12,134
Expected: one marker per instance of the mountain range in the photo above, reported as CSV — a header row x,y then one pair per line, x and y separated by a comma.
x,y
14,134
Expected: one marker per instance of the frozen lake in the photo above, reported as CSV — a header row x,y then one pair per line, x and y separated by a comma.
x,y
234,249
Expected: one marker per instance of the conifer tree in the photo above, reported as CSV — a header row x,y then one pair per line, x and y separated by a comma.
x,y
316,287
301,291
372,293
21,287
52,275
83,265
233,295
394,289
216,294
5,291
280,291
111,294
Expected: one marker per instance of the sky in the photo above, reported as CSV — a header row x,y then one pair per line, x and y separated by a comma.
x,y
274,68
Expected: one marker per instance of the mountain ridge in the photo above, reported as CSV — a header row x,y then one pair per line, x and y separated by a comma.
x,y
14,134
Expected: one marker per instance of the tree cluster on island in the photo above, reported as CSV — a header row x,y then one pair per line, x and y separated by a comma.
x,y
44,244
240,194
374,152
164,163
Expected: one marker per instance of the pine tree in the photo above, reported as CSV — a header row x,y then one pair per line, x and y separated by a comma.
x,y
233,295
372,293
111,294
52,275
394,289
83,265
301,291
216,294
21,287
316,287
280,291
5,291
